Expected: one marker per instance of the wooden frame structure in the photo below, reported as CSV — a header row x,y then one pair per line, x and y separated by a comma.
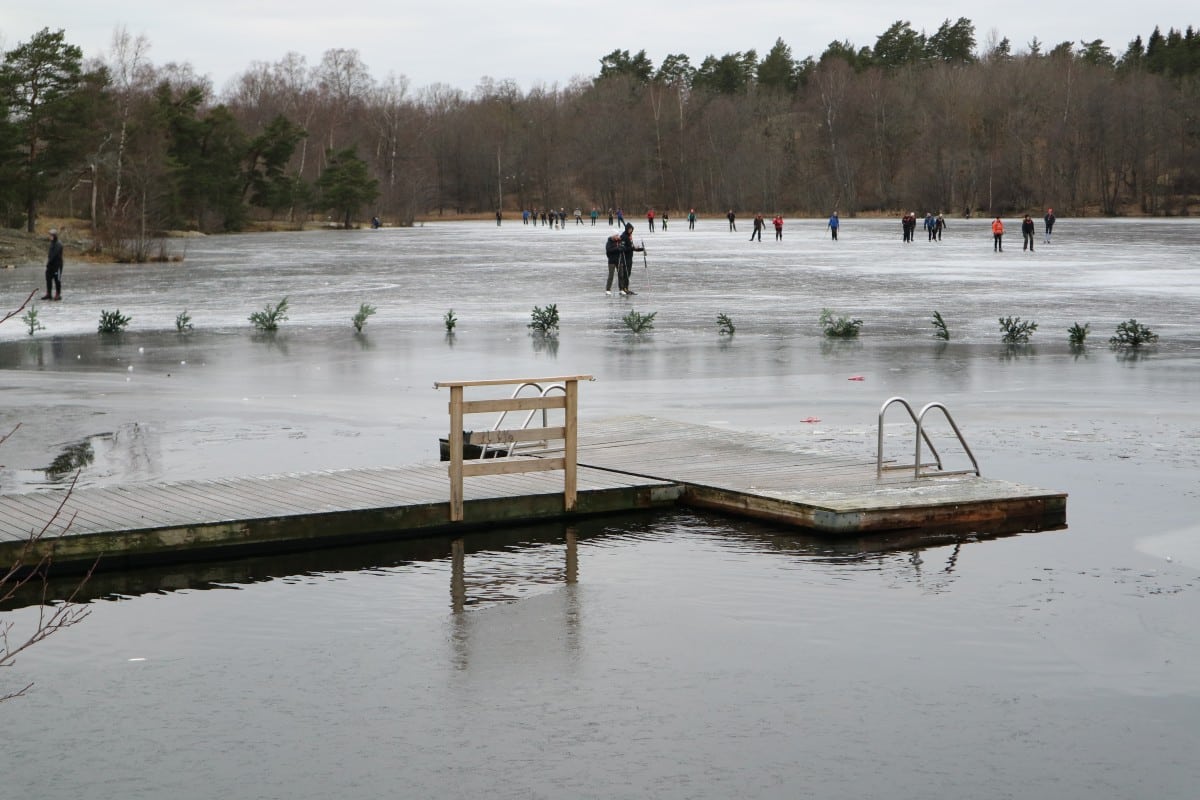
x,y
568,432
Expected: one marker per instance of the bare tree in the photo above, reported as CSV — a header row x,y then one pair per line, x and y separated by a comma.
x,y
128,69
53,615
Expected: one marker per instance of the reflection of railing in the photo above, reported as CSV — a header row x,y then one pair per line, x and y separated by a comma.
x,y
569,402
919,421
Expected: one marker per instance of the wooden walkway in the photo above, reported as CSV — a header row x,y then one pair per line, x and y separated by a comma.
x,y
625,464
138,524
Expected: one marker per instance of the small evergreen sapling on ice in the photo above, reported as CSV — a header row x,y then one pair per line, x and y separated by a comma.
x,y
269,318
638,322
841,327
32,322
941,331
113,321
544,320
359,319
1132,333
724,325
1015,331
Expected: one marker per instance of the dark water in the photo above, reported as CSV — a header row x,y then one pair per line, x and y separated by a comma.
x,y
673,655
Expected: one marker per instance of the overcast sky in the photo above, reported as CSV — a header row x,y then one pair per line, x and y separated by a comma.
x,y
545,43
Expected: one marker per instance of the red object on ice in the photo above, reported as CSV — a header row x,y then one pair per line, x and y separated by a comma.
x,y
856,378
811,419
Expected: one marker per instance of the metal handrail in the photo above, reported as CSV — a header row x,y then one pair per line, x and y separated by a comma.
x,y
921,434
879,467
545,413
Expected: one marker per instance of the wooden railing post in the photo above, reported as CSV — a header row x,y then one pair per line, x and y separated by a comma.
x,y
456,453
570,444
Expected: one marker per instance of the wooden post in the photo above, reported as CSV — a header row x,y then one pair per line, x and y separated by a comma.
x,y
570,437
456,453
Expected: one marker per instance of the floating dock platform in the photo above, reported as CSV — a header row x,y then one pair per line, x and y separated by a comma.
x,y
625,464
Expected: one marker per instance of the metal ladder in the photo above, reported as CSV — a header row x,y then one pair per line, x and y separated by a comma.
x,y
922,470
507,449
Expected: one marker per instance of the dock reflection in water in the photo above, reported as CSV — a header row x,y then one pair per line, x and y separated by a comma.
x,y
508,564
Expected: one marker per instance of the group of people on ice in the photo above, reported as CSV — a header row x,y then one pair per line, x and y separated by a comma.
x,y
1027,231
934,225
620,249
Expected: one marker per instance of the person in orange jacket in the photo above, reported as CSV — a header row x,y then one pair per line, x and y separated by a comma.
x,y
997,235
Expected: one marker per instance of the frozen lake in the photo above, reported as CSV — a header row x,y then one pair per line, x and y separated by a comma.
x,y
685,655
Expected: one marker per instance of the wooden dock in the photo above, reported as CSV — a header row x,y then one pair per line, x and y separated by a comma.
x,y
767,478
624,464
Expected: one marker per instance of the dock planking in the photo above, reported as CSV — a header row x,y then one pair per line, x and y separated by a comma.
x,y
140,524
785,482
628,463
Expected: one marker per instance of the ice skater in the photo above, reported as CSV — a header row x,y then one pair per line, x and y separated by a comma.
x,y
54,268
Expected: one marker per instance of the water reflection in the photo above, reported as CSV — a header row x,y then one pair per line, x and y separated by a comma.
x,y
546,345
1128,356
72,457
840,348
1016,352
272,341
490,567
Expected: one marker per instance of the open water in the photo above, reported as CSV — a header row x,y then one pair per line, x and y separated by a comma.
x,y
671,655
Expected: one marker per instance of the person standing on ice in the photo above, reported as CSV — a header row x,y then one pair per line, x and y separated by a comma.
x,y
834,224
1049,220
54,267
997,235
1027,233
759,224
628,248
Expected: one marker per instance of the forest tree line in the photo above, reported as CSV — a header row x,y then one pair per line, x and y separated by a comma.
x,y
929,122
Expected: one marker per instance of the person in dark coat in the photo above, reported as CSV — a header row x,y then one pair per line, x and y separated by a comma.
x,y
54,268
614,250
1027,233
759,224
628,248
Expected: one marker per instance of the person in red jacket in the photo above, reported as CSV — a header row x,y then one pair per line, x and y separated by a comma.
x,y
997,235
778,223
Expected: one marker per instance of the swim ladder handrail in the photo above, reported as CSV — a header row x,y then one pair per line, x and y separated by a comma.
x,y
922,435
879,467
554,387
